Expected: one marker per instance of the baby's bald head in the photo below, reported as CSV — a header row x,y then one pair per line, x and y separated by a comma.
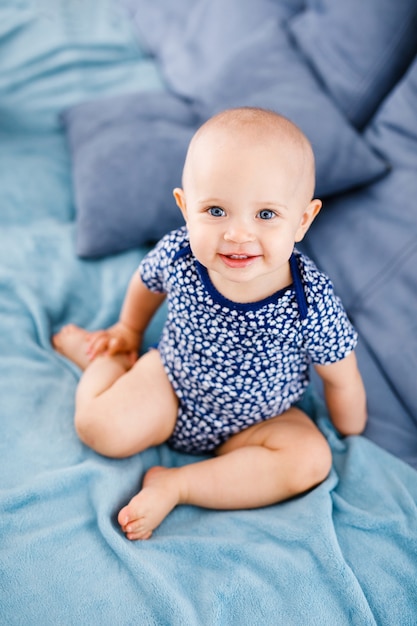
x,y
250,126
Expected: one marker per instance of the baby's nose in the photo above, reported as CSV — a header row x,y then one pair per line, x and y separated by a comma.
x,y
239,232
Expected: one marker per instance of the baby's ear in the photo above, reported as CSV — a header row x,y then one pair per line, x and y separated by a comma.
x,y
180,200
307,218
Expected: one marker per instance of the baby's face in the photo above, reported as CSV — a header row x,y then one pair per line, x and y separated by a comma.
x,y
245,205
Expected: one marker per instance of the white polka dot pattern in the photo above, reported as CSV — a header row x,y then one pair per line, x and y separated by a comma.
x,y
233,365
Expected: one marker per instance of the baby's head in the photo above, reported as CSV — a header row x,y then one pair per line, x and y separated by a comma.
x,y
254,135
246,168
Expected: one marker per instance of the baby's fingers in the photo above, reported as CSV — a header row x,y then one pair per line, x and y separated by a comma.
x,y
116,345
97,345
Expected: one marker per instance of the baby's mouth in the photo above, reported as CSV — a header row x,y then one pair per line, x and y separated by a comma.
x,y
238,260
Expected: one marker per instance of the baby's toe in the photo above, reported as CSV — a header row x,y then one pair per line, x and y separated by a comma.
x,y
139,536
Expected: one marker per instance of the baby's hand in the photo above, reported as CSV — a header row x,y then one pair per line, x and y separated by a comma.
x,y
115,340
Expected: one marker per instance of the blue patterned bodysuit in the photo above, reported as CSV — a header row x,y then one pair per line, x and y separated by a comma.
x,y
233,365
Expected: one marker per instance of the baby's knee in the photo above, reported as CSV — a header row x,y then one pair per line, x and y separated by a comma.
x,y
313,463
321,458
86,428
318,459
104,436
91,430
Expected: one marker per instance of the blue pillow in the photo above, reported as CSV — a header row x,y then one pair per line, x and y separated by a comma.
x,y
370,252
192,38
128,153
266,70
359,48
127,157
239,53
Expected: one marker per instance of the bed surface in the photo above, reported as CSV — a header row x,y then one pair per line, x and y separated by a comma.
x,y
344,553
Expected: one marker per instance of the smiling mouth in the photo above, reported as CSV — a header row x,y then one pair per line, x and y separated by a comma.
x,y
238,260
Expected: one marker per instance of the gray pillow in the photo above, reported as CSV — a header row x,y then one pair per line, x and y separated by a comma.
x,y
370,253
241,53
359,48
128,152
127,157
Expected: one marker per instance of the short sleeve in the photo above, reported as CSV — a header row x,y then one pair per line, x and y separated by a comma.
x,y
155,269
329,334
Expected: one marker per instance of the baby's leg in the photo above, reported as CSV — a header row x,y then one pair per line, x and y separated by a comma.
x,y
120,409
266,463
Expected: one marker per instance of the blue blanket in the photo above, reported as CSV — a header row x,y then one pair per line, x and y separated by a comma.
x,y
343,554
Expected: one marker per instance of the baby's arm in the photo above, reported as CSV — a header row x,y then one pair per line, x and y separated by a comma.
x,y
345,395
138,308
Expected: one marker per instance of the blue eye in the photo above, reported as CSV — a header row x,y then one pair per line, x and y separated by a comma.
x,y
216,211
266,214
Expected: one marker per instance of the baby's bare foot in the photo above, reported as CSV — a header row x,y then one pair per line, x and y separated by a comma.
x,y
159,495
72,342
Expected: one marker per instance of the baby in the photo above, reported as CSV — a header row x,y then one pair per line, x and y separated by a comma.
x,y
247,316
